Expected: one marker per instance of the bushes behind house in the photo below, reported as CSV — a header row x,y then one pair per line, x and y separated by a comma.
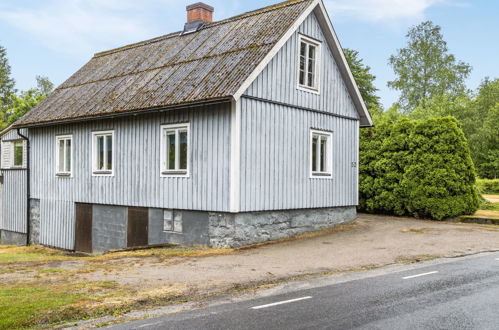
x,y
488,186
417,168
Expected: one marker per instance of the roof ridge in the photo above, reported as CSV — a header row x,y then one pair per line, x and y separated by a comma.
x,y
210,25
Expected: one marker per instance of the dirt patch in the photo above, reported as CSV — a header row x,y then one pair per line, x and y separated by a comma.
x,y
492,198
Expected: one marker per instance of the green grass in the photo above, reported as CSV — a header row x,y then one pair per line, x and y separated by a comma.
x,y
490,206
22,306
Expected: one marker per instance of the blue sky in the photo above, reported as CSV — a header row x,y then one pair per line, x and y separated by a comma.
x,y
55,38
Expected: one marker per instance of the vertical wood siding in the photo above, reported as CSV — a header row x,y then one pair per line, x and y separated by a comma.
x,y
136,180
13,204
14,201
275,155
275,151
278,81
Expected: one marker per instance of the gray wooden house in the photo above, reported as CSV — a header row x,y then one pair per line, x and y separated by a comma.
x,y
225,133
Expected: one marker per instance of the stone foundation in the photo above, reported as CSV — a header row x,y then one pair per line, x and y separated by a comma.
x,y
235,230
12,238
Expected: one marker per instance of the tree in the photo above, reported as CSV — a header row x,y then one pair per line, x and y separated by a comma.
x,y
364,79
6,84
21,104
424,68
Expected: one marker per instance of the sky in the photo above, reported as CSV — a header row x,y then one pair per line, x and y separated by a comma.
x,y
54,38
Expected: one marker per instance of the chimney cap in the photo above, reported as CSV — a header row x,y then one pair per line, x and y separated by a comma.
x,y
200,5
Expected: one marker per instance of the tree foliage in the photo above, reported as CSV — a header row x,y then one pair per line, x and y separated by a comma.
x,y
424,68
25,101
6,83
418,168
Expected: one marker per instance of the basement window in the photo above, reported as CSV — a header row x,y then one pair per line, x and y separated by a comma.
x,y
64,154
309,64
175,150
18,153
320,154
103,153
172,221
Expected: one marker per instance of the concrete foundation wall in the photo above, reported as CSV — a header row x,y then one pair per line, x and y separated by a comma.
x,y
195,229
234,230
34,221
12,238
109,228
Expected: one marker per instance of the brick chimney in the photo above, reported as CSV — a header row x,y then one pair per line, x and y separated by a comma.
x,y
199,12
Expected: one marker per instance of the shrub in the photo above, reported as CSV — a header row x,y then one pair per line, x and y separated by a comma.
x,y
486,186
417,168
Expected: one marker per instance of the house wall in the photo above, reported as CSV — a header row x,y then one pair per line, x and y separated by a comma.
x,y
278,81
13,204
276,119
136,180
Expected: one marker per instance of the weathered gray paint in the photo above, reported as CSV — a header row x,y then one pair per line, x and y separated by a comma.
x,y
278,81
194,224
109,228
136,181
275,159
275,139
13,196
234,230
14,201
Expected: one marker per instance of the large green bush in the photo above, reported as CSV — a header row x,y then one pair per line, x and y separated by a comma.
x,y
417,168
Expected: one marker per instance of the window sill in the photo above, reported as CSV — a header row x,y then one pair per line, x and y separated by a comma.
x,y
172,174
103,173
321,176
63,175
308,89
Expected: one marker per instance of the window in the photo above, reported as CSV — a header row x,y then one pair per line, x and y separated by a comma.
x,y
309,64
63,155
18,157
172,221
175,150
320,154
103,149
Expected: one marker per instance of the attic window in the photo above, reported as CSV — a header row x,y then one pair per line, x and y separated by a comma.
x,y
309,64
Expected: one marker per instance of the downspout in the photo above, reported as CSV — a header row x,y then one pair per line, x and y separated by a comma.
x,y
28,185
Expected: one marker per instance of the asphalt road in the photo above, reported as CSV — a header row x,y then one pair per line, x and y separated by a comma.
x,y
461,294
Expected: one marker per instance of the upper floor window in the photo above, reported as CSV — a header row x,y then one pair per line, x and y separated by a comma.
x,y
63,155
103,153
309,64
175,150
18,153
320,154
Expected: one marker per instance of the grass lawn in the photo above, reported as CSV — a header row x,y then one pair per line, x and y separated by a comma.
x,y
35,290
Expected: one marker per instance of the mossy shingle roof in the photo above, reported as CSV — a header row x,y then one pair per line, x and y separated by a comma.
x,y
174,69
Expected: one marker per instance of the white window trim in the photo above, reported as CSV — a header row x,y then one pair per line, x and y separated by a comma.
x,y
57,172
318,65
328,175
95,171
13,155
164,172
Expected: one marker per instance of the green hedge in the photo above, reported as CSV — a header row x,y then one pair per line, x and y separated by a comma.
x,y
417,168
488,186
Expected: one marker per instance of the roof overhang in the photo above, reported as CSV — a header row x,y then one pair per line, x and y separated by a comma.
x,y
318,8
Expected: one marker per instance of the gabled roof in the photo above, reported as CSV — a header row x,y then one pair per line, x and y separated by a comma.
x,y
215,63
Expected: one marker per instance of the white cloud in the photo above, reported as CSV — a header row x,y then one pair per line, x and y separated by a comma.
x,y
81,27
389,11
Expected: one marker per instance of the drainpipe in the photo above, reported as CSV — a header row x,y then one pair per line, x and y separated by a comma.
x,y
28,192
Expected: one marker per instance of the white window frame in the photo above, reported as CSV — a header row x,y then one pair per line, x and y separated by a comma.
x,y
59,173
95,170
13,154
318,64
328,174
176,173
